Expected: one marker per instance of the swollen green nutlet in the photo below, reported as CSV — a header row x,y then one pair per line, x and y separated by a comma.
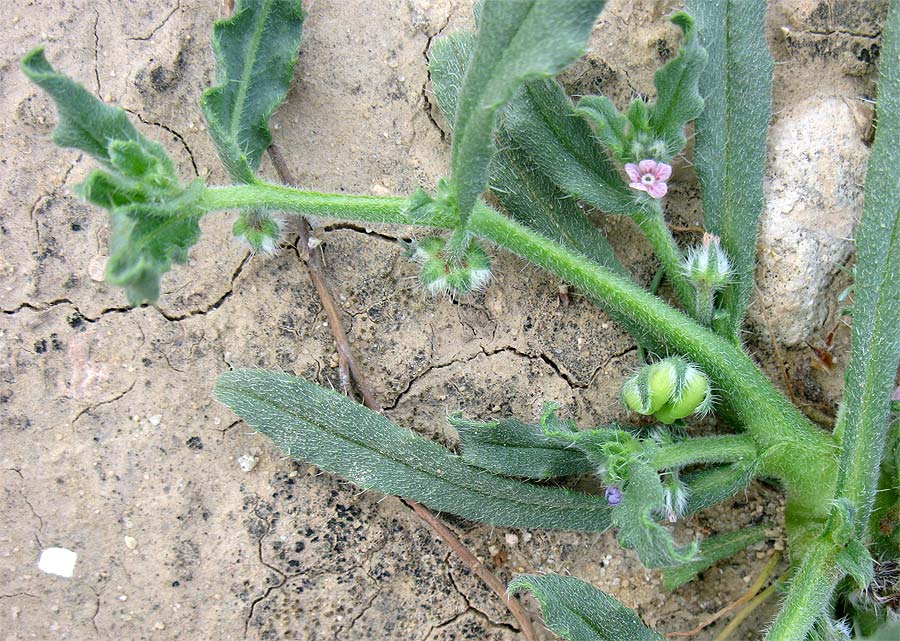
x,y
442,275
669,390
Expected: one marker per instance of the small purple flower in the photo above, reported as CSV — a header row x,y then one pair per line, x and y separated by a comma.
x,y
613,495
650,176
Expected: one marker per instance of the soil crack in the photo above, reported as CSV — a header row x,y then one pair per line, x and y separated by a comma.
x,y
160,25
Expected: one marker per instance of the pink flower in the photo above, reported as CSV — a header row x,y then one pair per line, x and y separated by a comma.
x,y
650,176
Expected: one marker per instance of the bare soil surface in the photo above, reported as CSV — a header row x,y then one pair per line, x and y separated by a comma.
x,y
110,443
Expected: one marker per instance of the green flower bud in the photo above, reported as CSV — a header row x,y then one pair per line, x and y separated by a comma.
x,y
446,276
707,265
259,230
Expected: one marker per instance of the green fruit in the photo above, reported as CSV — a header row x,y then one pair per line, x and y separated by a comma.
x,y
694,394
631,396
662,380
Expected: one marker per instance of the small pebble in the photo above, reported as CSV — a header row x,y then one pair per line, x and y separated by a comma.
x,y
159,625
58,561
155,419
247,462
511,539
130,542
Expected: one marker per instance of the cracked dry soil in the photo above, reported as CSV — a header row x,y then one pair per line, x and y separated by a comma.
x,y
112,447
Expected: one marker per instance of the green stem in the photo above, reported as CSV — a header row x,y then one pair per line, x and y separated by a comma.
x,y
373,209
810,593
705,297
791,447
705,449
654,227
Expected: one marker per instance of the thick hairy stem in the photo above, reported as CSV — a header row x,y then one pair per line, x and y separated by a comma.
x,y
654,227
810,593
791,447
705,449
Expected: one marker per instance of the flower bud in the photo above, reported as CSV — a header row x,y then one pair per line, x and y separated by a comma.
x,y
260,231
707,265
442,275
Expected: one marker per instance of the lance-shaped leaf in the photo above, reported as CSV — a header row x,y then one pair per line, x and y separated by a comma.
x,y
577,611
154,217
714,485
712,550
340,436
678,99
637,527
516,41
730,142
513,448
520,186
256,49
864,423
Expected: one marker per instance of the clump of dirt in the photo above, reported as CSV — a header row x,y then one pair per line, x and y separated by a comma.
x,y
112,447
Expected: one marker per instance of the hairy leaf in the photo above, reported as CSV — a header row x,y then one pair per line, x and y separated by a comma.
x,y
526,194
577,611
714,485
541,121
678,98
611,125
864,424
256,49
340,436
637,527
154,217
516,41
513,448
730,142
712,550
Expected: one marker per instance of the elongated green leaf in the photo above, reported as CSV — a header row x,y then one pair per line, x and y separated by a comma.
x,y
154,217
525,193
542,122
730,144
611,125
513,448
85,122
577,611
340,436
864,424
637,527
678,98
714,485
516,41
256,49
712,550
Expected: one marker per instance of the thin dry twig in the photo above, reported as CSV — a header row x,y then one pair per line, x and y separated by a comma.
x,y
350,367
775,347
746,611
764,576
477,567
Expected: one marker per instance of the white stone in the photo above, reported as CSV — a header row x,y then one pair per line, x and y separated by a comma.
x,y
247,462
155,420
130,542
511,539
813,201
58,561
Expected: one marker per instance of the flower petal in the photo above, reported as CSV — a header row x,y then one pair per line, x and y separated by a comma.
x,y
638,186
633,172
663,171
657,190
647,166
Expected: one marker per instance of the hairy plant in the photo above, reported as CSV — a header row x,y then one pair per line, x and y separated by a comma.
x,y
518,135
